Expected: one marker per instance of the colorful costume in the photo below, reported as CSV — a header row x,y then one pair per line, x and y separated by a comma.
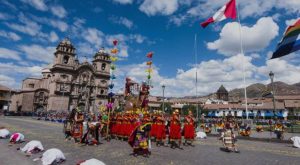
x,y
189,127
228,138
77,131
175,129
138,140
160,129
279,131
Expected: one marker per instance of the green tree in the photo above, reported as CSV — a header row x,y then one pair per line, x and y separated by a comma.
x,y
187,108
168,108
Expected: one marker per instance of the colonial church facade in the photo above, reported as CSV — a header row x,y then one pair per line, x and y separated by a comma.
x,y
66,83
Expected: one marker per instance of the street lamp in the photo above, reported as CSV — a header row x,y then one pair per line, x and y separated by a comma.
x,y
271,74
163,106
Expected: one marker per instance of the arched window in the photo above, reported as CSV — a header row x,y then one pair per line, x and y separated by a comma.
x,y
66,60
103,66
102,92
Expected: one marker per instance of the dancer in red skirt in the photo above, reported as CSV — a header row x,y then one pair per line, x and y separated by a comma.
x,y
153,131
189,128
160,130
175,130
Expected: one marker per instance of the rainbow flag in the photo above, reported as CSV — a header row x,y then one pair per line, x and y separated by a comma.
x,y
290,41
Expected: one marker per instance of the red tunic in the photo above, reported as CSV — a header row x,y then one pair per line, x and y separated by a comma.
x,y
78,126
175,129
153,131
189,129
118,126
127,127
160,128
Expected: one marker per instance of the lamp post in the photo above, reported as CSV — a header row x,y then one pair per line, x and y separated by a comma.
x,y
163,106
271,74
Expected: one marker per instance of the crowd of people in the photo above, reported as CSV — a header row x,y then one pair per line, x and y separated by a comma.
x,y
138,128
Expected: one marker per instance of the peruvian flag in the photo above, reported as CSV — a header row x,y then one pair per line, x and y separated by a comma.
x,y
227,11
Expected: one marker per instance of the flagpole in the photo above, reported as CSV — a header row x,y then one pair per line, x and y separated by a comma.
x,y
243,61
196,81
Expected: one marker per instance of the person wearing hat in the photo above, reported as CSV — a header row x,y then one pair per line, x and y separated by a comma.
x,y
229,139
160,134
139,138
189,128
78,125
175,130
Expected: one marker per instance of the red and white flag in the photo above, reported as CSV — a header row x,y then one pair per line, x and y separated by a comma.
x,y
227,11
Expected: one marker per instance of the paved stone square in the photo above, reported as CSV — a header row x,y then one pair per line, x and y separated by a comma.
x,y
118,152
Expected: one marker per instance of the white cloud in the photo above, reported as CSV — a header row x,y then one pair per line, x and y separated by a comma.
x,y
159,7
93,36
229,41
4,16
7,81
211,74
283,70
138,38
178,20
60,25
58,11
10,73
122,21
10,35
8,4
53,37
37,4
203,9
9,54
28,27
85,49
124,1
38,53
12,69
291,21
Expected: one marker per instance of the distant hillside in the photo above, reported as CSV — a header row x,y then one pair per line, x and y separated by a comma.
x,y
257,90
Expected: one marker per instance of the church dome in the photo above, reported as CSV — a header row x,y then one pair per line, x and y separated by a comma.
x,y
222,89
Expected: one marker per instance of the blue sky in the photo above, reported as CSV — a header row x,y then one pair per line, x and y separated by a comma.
x,y
31,29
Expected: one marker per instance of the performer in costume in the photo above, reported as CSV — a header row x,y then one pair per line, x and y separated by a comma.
x,y
175,130
160,130
228,139
104,125
78,125
68,124
189,128
279,130
118,126
153,132
91,136
138,140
